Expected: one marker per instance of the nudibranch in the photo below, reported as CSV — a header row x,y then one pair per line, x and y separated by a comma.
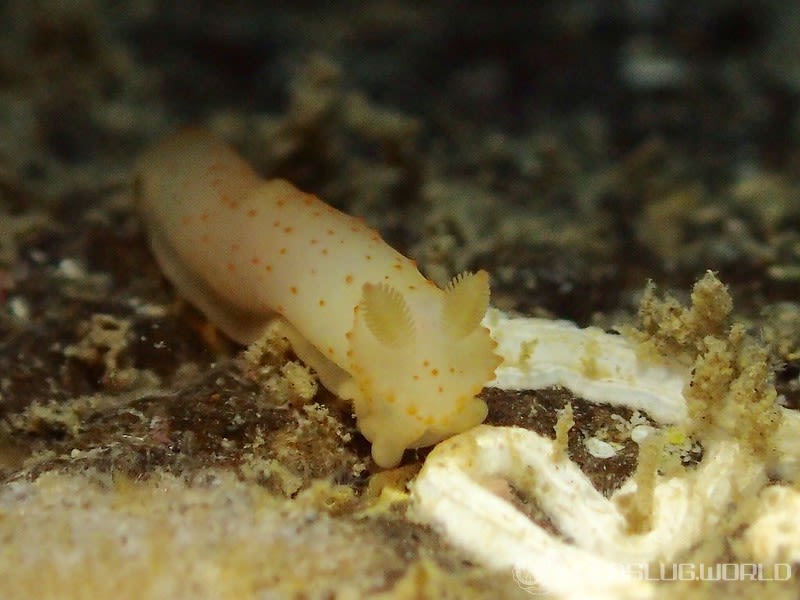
x,y
411,356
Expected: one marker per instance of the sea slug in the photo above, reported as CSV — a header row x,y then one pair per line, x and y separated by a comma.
x,y
245,250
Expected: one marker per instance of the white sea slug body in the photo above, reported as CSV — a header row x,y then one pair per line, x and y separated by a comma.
x,y
411,356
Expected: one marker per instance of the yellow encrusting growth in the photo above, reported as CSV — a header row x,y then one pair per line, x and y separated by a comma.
x,y
246,251
731,391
